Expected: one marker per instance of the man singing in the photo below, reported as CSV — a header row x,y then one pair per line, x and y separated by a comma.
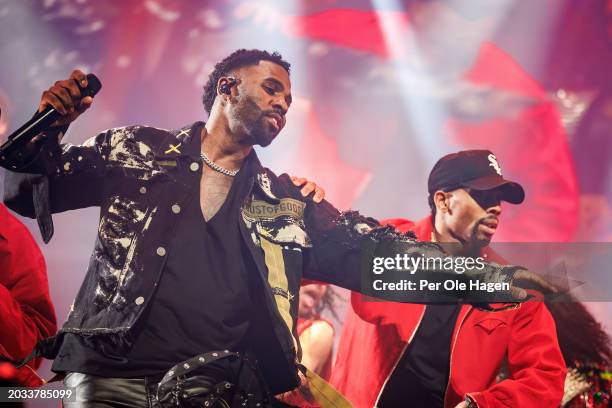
x,y
199,247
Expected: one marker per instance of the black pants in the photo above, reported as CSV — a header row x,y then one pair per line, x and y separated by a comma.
x,y
105,392
93,391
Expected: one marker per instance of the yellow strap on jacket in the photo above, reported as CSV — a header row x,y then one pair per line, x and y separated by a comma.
x,y
324,393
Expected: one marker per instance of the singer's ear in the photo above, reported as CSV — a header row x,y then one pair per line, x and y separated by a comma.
x,y
225,84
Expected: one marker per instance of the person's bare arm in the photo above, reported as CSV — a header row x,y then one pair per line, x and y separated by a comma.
x,y
317,345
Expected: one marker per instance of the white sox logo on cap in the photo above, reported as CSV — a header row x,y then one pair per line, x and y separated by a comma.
x,y
493,163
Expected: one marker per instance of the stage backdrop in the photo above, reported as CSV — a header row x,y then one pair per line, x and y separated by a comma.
x,y
381,90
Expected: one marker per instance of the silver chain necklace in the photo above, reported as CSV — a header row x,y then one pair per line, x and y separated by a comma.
x,y
216,167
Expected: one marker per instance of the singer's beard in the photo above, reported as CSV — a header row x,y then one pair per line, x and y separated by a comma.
x,y
253,127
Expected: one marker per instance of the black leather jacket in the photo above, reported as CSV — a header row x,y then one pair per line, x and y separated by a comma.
x,y
138,177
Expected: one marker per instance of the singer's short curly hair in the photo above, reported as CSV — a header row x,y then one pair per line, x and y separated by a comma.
x,y
237,59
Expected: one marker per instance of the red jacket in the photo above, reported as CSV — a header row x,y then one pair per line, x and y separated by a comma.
x,y
375,334
26,311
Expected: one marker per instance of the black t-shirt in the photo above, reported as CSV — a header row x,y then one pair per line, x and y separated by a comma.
x,y
203,301
420,377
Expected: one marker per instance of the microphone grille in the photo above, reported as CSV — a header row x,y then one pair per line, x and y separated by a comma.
x,y
93,86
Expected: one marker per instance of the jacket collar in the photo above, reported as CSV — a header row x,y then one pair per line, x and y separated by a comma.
x,y
423,229
261,177
186,142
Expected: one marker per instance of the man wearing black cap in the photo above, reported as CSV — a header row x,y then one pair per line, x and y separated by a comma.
x,y
467,187
438,355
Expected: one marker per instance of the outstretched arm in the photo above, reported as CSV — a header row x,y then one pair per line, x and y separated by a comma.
x,y
344,246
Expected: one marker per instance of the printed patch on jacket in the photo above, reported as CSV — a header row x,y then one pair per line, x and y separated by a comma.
x,y
284,234
263,210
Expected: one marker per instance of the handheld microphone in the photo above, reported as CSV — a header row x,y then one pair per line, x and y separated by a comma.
x,y
43,120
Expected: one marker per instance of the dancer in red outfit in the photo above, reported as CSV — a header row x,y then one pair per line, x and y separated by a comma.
x,y
26,311
393,354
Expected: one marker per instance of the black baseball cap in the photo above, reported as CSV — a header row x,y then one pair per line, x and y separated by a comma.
x,y
475,169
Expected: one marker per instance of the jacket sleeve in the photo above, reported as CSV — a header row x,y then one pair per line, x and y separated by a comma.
x,y
345,245
26,312
535,363
59,177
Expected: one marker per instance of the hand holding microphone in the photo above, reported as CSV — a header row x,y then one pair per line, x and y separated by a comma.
x,y
59,105
70,97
